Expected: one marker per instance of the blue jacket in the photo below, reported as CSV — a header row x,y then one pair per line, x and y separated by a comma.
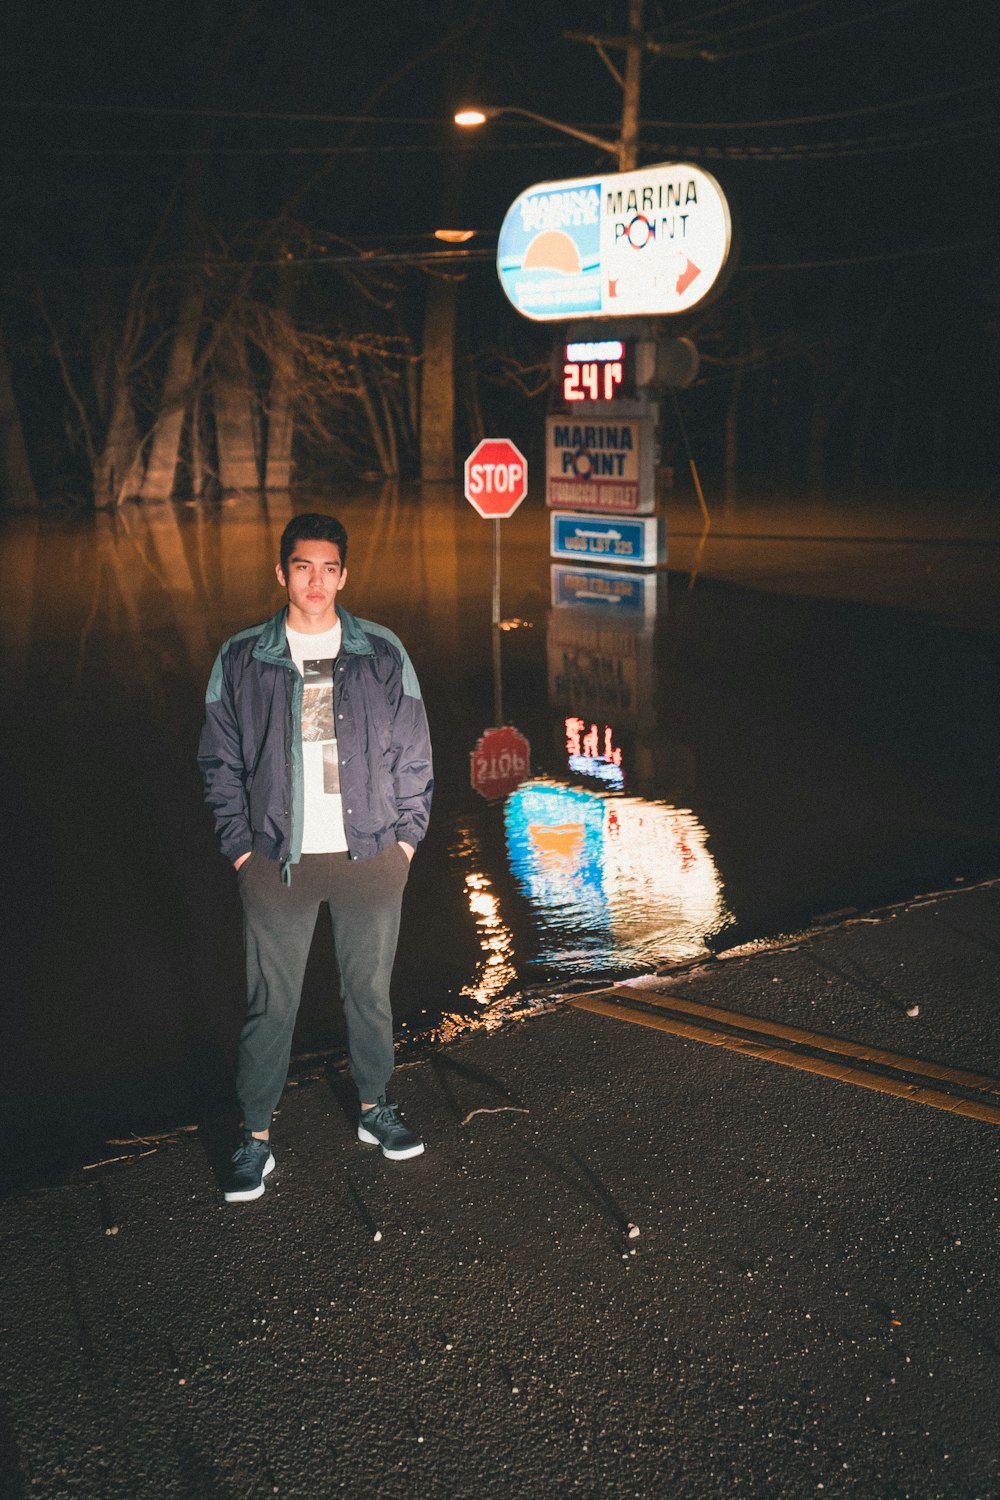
x,y
250,751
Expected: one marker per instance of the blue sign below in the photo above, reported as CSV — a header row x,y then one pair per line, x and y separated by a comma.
x,y
635,542
630,596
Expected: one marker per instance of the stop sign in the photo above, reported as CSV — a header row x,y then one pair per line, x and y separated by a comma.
x,y
500,762
496,478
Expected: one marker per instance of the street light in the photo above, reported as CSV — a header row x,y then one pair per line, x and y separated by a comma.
x,y
479,114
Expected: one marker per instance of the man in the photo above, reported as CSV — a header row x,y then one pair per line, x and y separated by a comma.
x,y
317,765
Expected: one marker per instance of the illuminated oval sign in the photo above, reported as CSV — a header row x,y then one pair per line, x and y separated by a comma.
x,y
630,244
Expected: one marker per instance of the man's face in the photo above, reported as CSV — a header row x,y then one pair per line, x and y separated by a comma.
x,y
313,581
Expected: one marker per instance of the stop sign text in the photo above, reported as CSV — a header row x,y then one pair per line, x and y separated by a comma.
x,y
496,478
500,762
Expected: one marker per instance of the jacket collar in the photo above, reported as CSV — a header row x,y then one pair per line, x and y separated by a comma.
x,y
272,645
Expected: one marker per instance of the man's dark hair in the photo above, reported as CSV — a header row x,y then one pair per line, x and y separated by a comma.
x,y
312,527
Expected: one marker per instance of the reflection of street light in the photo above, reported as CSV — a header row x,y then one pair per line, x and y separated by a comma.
x,y
455,236
479,114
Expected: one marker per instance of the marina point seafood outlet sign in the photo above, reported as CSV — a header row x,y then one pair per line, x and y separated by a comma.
x,y
600,465
629,244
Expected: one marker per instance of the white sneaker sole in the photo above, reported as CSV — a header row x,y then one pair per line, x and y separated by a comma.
x,y
248,1194
367,1139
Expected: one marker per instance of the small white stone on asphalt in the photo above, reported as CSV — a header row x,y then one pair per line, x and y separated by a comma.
x,y
376,1237
633,1231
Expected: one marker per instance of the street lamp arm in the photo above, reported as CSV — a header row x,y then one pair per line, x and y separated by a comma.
x,y
529,114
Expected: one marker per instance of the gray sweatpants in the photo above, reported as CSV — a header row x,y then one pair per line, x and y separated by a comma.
x,y
365,897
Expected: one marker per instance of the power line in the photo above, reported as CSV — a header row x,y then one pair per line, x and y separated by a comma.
x,y
946,134
409,122
778,15
829,150
706,15
358,262
806,36
841,114
189,112
189,151
870,260
186,152
429,258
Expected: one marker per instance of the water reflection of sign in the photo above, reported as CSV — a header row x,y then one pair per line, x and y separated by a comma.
x,y
597,671
598,867
591,751
500,762
630,595
600,465
652,241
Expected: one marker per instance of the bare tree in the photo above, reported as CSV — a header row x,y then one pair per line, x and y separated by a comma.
x,y
18,486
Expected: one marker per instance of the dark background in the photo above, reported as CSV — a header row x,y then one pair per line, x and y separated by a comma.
x,y
856,143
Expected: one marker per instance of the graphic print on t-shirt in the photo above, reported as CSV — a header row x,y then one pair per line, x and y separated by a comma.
x,y
317,717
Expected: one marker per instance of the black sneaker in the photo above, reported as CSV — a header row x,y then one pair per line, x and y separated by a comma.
x,y
252,1160
382,1126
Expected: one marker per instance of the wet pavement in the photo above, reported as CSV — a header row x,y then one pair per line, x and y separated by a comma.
x,y
800,717
629,1263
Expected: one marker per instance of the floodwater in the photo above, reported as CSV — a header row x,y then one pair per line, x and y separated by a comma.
x,y
799,717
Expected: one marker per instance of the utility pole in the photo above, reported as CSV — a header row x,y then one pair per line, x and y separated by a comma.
x,y
628,141
634,45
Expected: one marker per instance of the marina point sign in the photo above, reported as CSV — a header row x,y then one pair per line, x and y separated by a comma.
x,y
629,244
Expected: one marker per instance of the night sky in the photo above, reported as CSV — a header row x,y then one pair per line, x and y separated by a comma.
x,y
856,142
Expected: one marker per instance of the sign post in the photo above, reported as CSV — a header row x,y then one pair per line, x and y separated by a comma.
x,y
496,481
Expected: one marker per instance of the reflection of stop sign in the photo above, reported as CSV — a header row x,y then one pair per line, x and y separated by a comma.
x,y
500,762
496,478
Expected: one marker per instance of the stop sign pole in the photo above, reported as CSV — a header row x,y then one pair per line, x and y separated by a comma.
x,y
496,481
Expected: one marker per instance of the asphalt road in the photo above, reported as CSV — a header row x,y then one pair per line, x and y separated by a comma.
x,y
809,1306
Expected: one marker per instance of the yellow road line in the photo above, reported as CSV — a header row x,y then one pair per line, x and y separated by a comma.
x,y
826,1068
981,1082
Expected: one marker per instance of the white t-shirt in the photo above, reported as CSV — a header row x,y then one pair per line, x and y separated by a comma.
x,y
323,822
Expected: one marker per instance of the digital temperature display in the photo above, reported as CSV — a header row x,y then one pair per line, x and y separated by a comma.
x,y
598,371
